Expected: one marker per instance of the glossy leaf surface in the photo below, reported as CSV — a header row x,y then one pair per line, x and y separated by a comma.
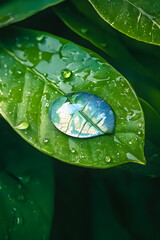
x,y
31,73
13,10
24,174
136,19
118,47
82,115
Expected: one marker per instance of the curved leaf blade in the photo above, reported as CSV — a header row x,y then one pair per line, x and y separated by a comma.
x,y
136,19
31,66
13,10
79,16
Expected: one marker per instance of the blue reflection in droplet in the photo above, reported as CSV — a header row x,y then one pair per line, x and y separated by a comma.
x,y
82,115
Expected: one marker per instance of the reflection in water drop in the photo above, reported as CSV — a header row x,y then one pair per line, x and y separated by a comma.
x,y
131,157
107,159
23,125
73,150
82,115
66,73
140,124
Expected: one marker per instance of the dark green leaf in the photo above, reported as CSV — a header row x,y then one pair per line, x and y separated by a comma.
x,y
31,66
137,19
26,189
152,144
13,10
139,69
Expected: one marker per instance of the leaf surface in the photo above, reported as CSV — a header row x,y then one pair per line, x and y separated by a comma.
x,y
135,64
13,10
31,67
136,19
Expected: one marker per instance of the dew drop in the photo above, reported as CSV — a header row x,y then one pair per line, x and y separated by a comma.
x,y
73,150
23,125
19,220
130,142
103,45
139,132
107,159
24,179
84,30
140,124
45,140
66,73
82,115
40,38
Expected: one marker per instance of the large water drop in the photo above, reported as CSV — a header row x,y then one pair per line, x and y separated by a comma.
x,y
82,115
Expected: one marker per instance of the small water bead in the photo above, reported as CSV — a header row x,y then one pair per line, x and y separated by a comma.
x,y
23,125
139,132
73,150
84,30
45,140
107,159
82,115
140,124
103,45
66,73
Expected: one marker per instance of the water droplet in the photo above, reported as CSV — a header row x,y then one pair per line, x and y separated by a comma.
x,y
19,220
130,142
127,90
84,30
66,73
107,159
139,132
45,140
24,179
140,124
23,125
73,150
82,115
40,38
131,157
103,45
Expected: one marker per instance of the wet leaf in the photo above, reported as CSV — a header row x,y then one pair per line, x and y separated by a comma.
x,y
125,54
31,76
139,20
13,10
25,174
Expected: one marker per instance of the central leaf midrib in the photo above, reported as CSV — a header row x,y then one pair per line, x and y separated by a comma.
x,y
45,81
85,116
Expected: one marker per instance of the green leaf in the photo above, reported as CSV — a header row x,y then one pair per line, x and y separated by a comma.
x,y
31,66
25,212
119,48
136,19
152,144
13,10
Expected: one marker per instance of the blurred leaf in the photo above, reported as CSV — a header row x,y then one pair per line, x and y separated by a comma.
x,y
26,189
124,206
139,20
32,63
14,10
